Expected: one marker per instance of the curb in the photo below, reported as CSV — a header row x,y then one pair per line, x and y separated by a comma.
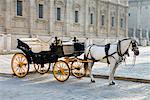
x,y
129,79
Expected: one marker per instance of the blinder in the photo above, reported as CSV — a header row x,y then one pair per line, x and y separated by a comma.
x,y
135,48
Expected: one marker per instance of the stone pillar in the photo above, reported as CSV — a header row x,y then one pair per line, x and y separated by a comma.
x,y
126,21
8,42
52,18
5,43
49,14
1,42
85,17
31,17
134,33
7,15
97,17
147,35
108,19
67,19
117,22
140,39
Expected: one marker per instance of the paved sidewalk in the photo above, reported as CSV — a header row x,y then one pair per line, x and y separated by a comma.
x,y
5,64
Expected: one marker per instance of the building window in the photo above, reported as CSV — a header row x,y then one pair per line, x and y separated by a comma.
x,y
91,16
19,8
121,22
113,21
76,16
58,13
129,14
40,10
102,20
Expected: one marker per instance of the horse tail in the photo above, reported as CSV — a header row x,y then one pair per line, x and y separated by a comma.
x,y
86,65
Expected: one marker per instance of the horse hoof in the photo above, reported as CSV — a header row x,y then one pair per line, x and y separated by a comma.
x,y
112,83
93,81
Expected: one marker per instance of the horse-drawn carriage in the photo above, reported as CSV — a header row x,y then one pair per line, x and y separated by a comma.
x,y
42,61
113,54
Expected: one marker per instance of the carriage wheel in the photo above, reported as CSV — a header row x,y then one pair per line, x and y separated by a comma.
x,y
42,68
19,64
61,71
77,69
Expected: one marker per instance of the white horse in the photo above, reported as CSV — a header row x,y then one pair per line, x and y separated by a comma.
x,y
113,54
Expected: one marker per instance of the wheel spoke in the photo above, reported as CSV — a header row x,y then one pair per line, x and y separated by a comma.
x,y
61,71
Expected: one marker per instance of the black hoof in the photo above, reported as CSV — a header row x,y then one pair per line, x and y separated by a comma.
x,y
112,83
93,81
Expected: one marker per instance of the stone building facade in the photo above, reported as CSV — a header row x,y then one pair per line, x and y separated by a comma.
x,y
139,23
62,18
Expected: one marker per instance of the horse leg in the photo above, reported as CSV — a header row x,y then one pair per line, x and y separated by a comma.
x,y
90,65
113,67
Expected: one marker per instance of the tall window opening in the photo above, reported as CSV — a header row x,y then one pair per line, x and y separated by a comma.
x,y
19,8
113,21
91,18
76,16
58,13
102,20
121,22
40,10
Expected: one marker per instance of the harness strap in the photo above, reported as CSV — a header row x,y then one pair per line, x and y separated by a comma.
x,y
89,52
119,48
111,55
107,47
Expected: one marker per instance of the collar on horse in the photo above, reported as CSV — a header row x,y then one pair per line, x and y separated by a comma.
x,y
107,47
119,48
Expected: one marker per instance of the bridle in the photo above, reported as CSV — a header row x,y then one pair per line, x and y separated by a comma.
x,y
134,45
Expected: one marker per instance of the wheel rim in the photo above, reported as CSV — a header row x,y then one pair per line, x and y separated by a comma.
x,y
42,68
61,71
77,69
20,65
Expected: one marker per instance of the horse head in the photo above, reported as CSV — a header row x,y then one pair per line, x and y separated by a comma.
x,y
134,47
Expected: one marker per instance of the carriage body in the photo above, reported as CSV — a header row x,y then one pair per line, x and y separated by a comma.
x,y
37,58
44,58
21,61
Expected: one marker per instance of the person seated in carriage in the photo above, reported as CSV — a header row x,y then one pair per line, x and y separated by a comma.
x,y
56,42
57,47
75,40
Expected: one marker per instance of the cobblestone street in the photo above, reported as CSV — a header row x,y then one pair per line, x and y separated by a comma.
x,y
37,87
45,87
